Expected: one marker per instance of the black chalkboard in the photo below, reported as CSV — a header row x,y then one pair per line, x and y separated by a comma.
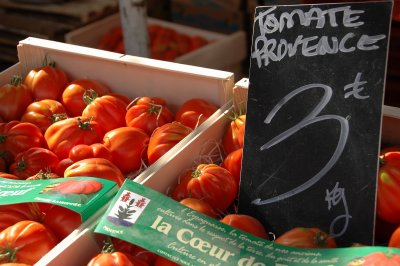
x,y
316,84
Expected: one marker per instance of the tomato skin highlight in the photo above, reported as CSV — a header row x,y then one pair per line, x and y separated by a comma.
x,y
194,112
388,195
213,184
246,223
47,82
29,240
233,137
233,163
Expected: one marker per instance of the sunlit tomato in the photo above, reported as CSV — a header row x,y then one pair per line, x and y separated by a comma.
x,y
72,97
26,242
115,258
8,176
233,163
33,160
213,184
12,213
63,135
62,221
16,137
14,98
128,147
388,195
148,115
84,151
200,206
47,82
165,138
389,149
134,250
14,264
394,240
44,113
302,237
96,167
194,112
107,110
377,259
234,135
245,223
122,97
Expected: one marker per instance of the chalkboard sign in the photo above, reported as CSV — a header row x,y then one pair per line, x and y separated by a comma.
x,y
316,83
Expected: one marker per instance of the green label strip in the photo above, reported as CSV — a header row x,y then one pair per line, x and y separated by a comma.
x,y
84,195
158,223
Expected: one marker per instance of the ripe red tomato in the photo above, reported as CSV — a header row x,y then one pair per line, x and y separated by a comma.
x,y
128,147
72,97
47,82
148,114
96,167
8,176
194,112
180,191
84,151
16,137
388,195
26,242
115,258
200,206
234,135
302,237
44,113
213,184
394,241
63,135
12,213
135,251
233,163
61,221
107,110
33,160
62,165
14,98
164,138
245,223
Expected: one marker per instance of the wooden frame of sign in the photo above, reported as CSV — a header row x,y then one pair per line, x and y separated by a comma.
x,y
314,113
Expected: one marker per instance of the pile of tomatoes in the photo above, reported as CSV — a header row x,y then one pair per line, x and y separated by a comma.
x,y
164,43
55,127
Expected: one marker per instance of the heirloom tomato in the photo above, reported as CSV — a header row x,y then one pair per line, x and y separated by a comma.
x,y
26,242
72,97
233,137
62,165
200,206
44,113
12,213
95,167
303,237
388,195
245,223
84,151
128,147
233,163
14,98
33,160
213,184
394,241
8,176
194,112
63,135
61,221
147,114
164,138
180,191
107,110
134,250
46,82
16,137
